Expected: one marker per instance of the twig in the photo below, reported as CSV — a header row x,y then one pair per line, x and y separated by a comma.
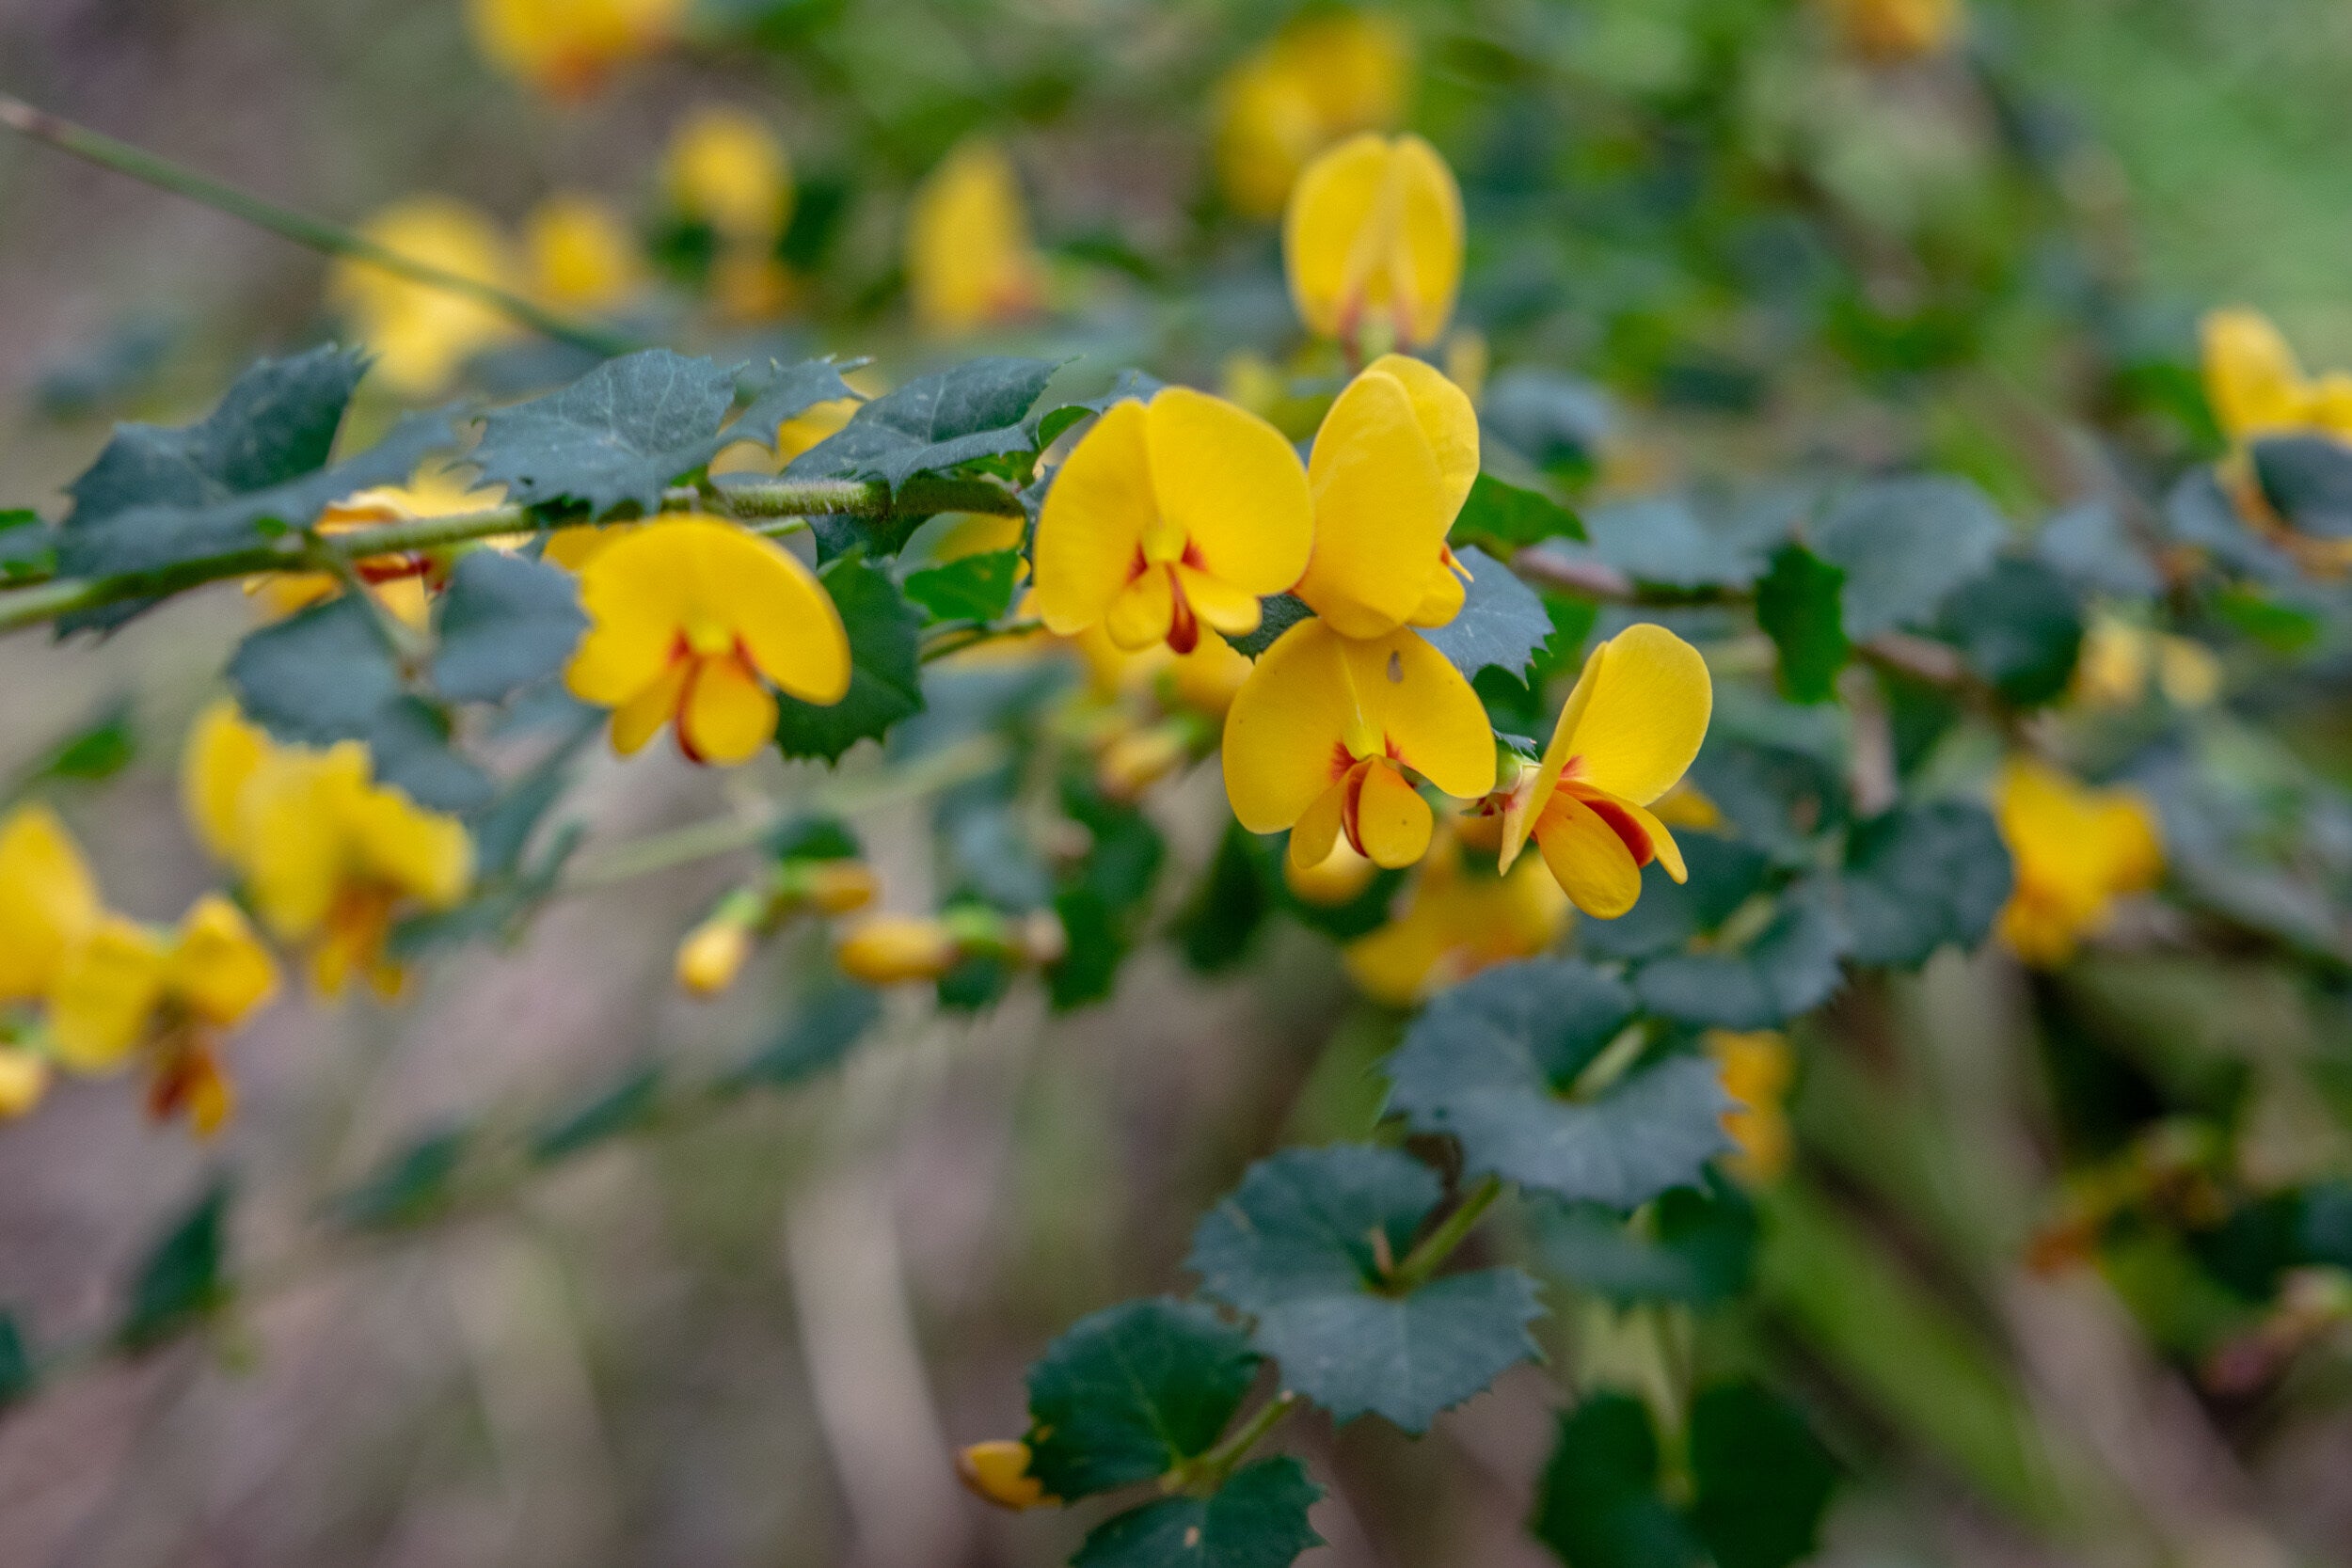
x,y
1422,1262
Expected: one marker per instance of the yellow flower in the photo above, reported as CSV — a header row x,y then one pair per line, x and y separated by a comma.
x,y
1169,516
2119,657
1757,1071
1393,463
329,856
969,259
713,954
1373,240
686,617
886,949
727,170
583,256
1326,729
998,1471
567,48
2257,388
127,982
422,335
1626,733
1320,78
398,581
1339,880
1895,30
48,902
1457,920
2077,851
23,1080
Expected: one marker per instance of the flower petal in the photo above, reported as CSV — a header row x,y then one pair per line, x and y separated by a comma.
x,y
637,593
421,853
1426,265
222,753
725,715
1432,720
1593,865
1380,509
1219,603
1092,525
48,901
218,969
1316,837
641,717
1143,614
775,609
1446,417
1392,821
1443,599
1234,486
105,996
296,856
1286,733
1644,716
1329,205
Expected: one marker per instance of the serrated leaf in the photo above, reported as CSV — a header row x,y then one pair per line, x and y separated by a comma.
x,y
885,666
1128,1393
819,1034
1257,1519
1501,623
319,676
1722,874
1507,517
183,1276
2019,627
617,436
1797,605
1667,541
1790,968
2308,481
627,1105
410,1186
1922,876
504,623
935,423
785,392
409,747
1598,1504
1050,423
1278,613
1300,1247
1689,1247
1763,1479
1492,1062
971,588
1903,544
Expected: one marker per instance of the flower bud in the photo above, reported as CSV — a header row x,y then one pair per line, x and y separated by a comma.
x,y
23,1080
998,1471
714,955
841,886
885,949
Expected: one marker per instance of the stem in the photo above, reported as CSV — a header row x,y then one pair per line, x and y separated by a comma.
x,y
1208,1472
1424,1260
303,229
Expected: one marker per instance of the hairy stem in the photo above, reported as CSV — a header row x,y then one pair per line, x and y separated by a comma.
x,y
1208,1472
1424,1261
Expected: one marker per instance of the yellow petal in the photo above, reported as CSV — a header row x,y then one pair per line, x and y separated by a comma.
x,y
218,969
1233,485
1593,865
222,753
423,854
786,620
107,994
583,256
1392,818
1220,604
726,715
1380,509
2252,380
639,718
1442,600
1000,1472
1330,205
1374,229
1446,417
969,258
1315,839
1662,842
1635,720
296,855
1428,262
48,901
1144,612
1339,878
23,1080
727,170
1089,534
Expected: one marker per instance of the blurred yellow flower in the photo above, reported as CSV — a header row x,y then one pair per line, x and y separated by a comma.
x,y
1170,515
727,168
583,256
1340,878
2257,387
714,953
1373,241
1626,736
422,335
1457,920
1756,1069
1319,79
1896,30
49,902
998,1471
128,981
2077,851
686,617
969,259
399,582
567,48
24,1081
329,856
2118,658
889,950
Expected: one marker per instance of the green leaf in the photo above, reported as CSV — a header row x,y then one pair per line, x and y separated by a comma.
x,y
1763,1479
97,750
2308,481
1257,1519
1922,876
1599,1505
17,1376
1722,874
1103,895
819,1034
183,1276
1903,544
2284,628
1689,1247
27,545
2200,513
317,677
1777,798
1493,1060
1556,421
885,666
1278,612
785,392
618,436
409,745
1304,1245
1502,622
1790,968
933,424
1507,517
1667,541
1050,423
1129,1393
1797,605
504,623
2019,627
1220,924
627,1105
410,1187
972,588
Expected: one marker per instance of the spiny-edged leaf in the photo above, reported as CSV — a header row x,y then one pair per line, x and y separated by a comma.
x,y
184,1275
2019,627
410,1186
409,745
1050,423
16,1362
1763,1479
1668,541
971,588
506,622
785,392
885,666
935,423
1922,876
1903,544
1689,1247
1129,1392
623,1107
1492,1060
319,676
1303,1245
821,1034
1788,969
2308,481
1502,622
1722,874
617,436
1278,613
1507,516
1797,605
1598,1504
1257,1519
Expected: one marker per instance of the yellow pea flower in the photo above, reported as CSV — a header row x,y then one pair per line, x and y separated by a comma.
x,y
421,335
581,255
2077,851
1396,459
1757,1072
1896,30
1457,920
329,856
2257,387
1319,79
997,1471
887,949
1168,516
713,954
689,620
127,982
727,168
49,902
1626,733
1372,242
969,259
399,582
567,48
1326,729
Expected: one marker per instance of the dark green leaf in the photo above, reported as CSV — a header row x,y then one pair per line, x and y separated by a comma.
x,y
814,838
2198,512
2279,626
1667,541
16,1362
2018,627
1689,1247
98,750
819,1034
972,588
1777,798
1492,1062
1507,516
617,436
1257,1519
1797,605
785,392
625,1106
1723,875
1919,876
2308,481
1280,612
1788,969
885,666
317,677
1050,423
411,1186
1132,1391
1903,544
1503,623
1552,420
2091,546
1763,1479
505,622
1599,1506
27,545
1220,925
184,1275
933,424
1303,1245
409,745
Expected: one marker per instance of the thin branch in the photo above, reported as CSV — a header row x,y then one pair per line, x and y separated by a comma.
x,y
1422,1264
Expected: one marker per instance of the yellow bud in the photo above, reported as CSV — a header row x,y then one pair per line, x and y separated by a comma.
x,y
886,949
838,887
1136,760
23,1080
998,1471
714,955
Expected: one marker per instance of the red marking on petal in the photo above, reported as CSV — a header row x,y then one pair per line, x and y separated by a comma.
x,y
685,703
1621,823
1184,627
1351,805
